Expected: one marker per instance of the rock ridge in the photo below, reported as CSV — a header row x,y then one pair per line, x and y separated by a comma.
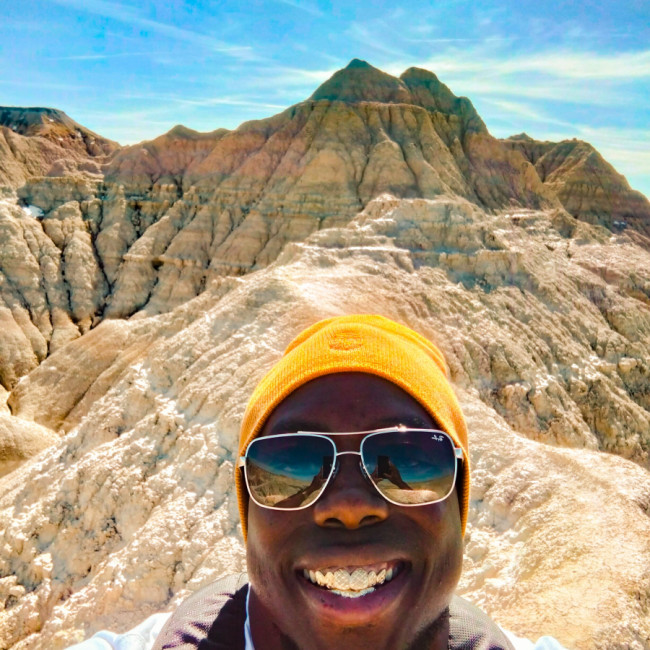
x,y
150,226
589,188
361,82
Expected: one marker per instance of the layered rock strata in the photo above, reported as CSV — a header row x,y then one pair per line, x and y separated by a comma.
x,y
46,142
169,215
589,188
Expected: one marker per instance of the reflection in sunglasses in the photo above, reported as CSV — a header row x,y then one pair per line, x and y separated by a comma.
x,y
408,466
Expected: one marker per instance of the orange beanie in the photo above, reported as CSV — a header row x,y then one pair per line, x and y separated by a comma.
x,y
360,343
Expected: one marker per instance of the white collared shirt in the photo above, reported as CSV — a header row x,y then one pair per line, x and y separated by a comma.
x,y
248,637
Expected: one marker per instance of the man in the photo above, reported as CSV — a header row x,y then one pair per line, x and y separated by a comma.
x,y
353,492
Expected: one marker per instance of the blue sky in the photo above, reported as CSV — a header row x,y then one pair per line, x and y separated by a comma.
x,y
132,70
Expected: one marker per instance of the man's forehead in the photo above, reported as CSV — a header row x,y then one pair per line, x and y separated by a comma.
x,y
346,402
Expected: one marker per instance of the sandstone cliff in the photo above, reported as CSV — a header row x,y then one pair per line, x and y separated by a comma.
x,y
142,306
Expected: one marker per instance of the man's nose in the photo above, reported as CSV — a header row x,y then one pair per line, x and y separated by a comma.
x,y
349,501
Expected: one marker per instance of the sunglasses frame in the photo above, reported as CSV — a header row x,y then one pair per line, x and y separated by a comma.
x,y
458,455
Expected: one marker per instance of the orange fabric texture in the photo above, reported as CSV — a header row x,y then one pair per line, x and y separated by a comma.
x,y
361,343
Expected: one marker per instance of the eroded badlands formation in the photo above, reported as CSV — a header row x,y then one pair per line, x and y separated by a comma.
x,y
150,293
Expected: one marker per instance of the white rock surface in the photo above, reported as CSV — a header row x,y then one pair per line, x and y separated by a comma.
x,y
545,325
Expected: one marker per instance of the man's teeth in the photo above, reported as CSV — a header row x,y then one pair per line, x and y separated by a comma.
x,y
353,584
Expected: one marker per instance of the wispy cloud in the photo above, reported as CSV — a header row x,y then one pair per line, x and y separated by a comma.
x,y
304,6
553,63
227,101
488,39
558,90
208,101
490,72
130,15
282,78
373,39
98,57
527,112
45,85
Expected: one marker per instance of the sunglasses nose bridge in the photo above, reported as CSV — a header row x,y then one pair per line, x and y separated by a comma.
x,y
362,467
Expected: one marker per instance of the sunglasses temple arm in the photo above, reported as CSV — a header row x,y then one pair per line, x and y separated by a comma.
x,y
459,453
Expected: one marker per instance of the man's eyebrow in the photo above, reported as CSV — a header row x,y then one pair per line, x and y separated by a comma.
x,y
293,425
413,421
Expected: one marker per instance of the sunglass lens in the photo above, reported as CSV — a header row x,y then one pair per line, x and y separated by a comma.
x,y
411,467
288,471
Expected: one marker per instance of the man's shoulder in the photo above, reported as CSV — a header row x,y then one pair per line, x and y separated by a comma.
x,y
472,629
214,617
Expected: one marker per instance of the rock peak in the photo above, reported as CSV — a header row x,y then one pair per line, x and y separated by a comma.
x,y
521,136
48,122
357,63
418,73
362,82
181,131
26,120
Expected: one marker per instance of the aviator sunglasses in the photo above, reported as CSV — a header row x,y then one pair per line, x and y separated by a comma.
x,y
408,467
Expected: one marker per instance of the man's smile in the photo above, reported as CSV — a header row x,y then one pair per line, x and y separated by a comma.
x,y
353,581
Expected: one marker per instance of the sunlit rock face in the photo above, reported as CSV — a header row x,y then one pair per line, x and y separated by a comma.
x,y
589,188
131,342
46,142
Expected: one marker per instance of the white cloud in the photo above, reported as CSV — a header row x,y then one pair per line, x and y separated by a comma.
x,y
227,101
527,112
559,90
554,63
98,57
374,38
279,78
45,84
488,70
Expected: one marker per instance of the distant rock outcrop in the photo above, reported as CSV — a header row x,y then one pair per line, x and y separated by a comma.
x,y
141,302
589,188
46,142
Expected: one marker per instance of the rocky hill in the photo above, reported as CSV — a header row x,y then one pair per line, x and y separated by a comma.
x,y
140,305
589,188
46,142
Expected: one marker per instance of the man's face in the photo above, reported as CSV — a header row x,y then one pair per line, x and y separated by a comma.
x,y
351,526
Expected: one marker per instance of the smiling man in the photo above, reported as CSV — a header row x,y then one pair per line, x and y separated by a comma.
x,y
353,491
